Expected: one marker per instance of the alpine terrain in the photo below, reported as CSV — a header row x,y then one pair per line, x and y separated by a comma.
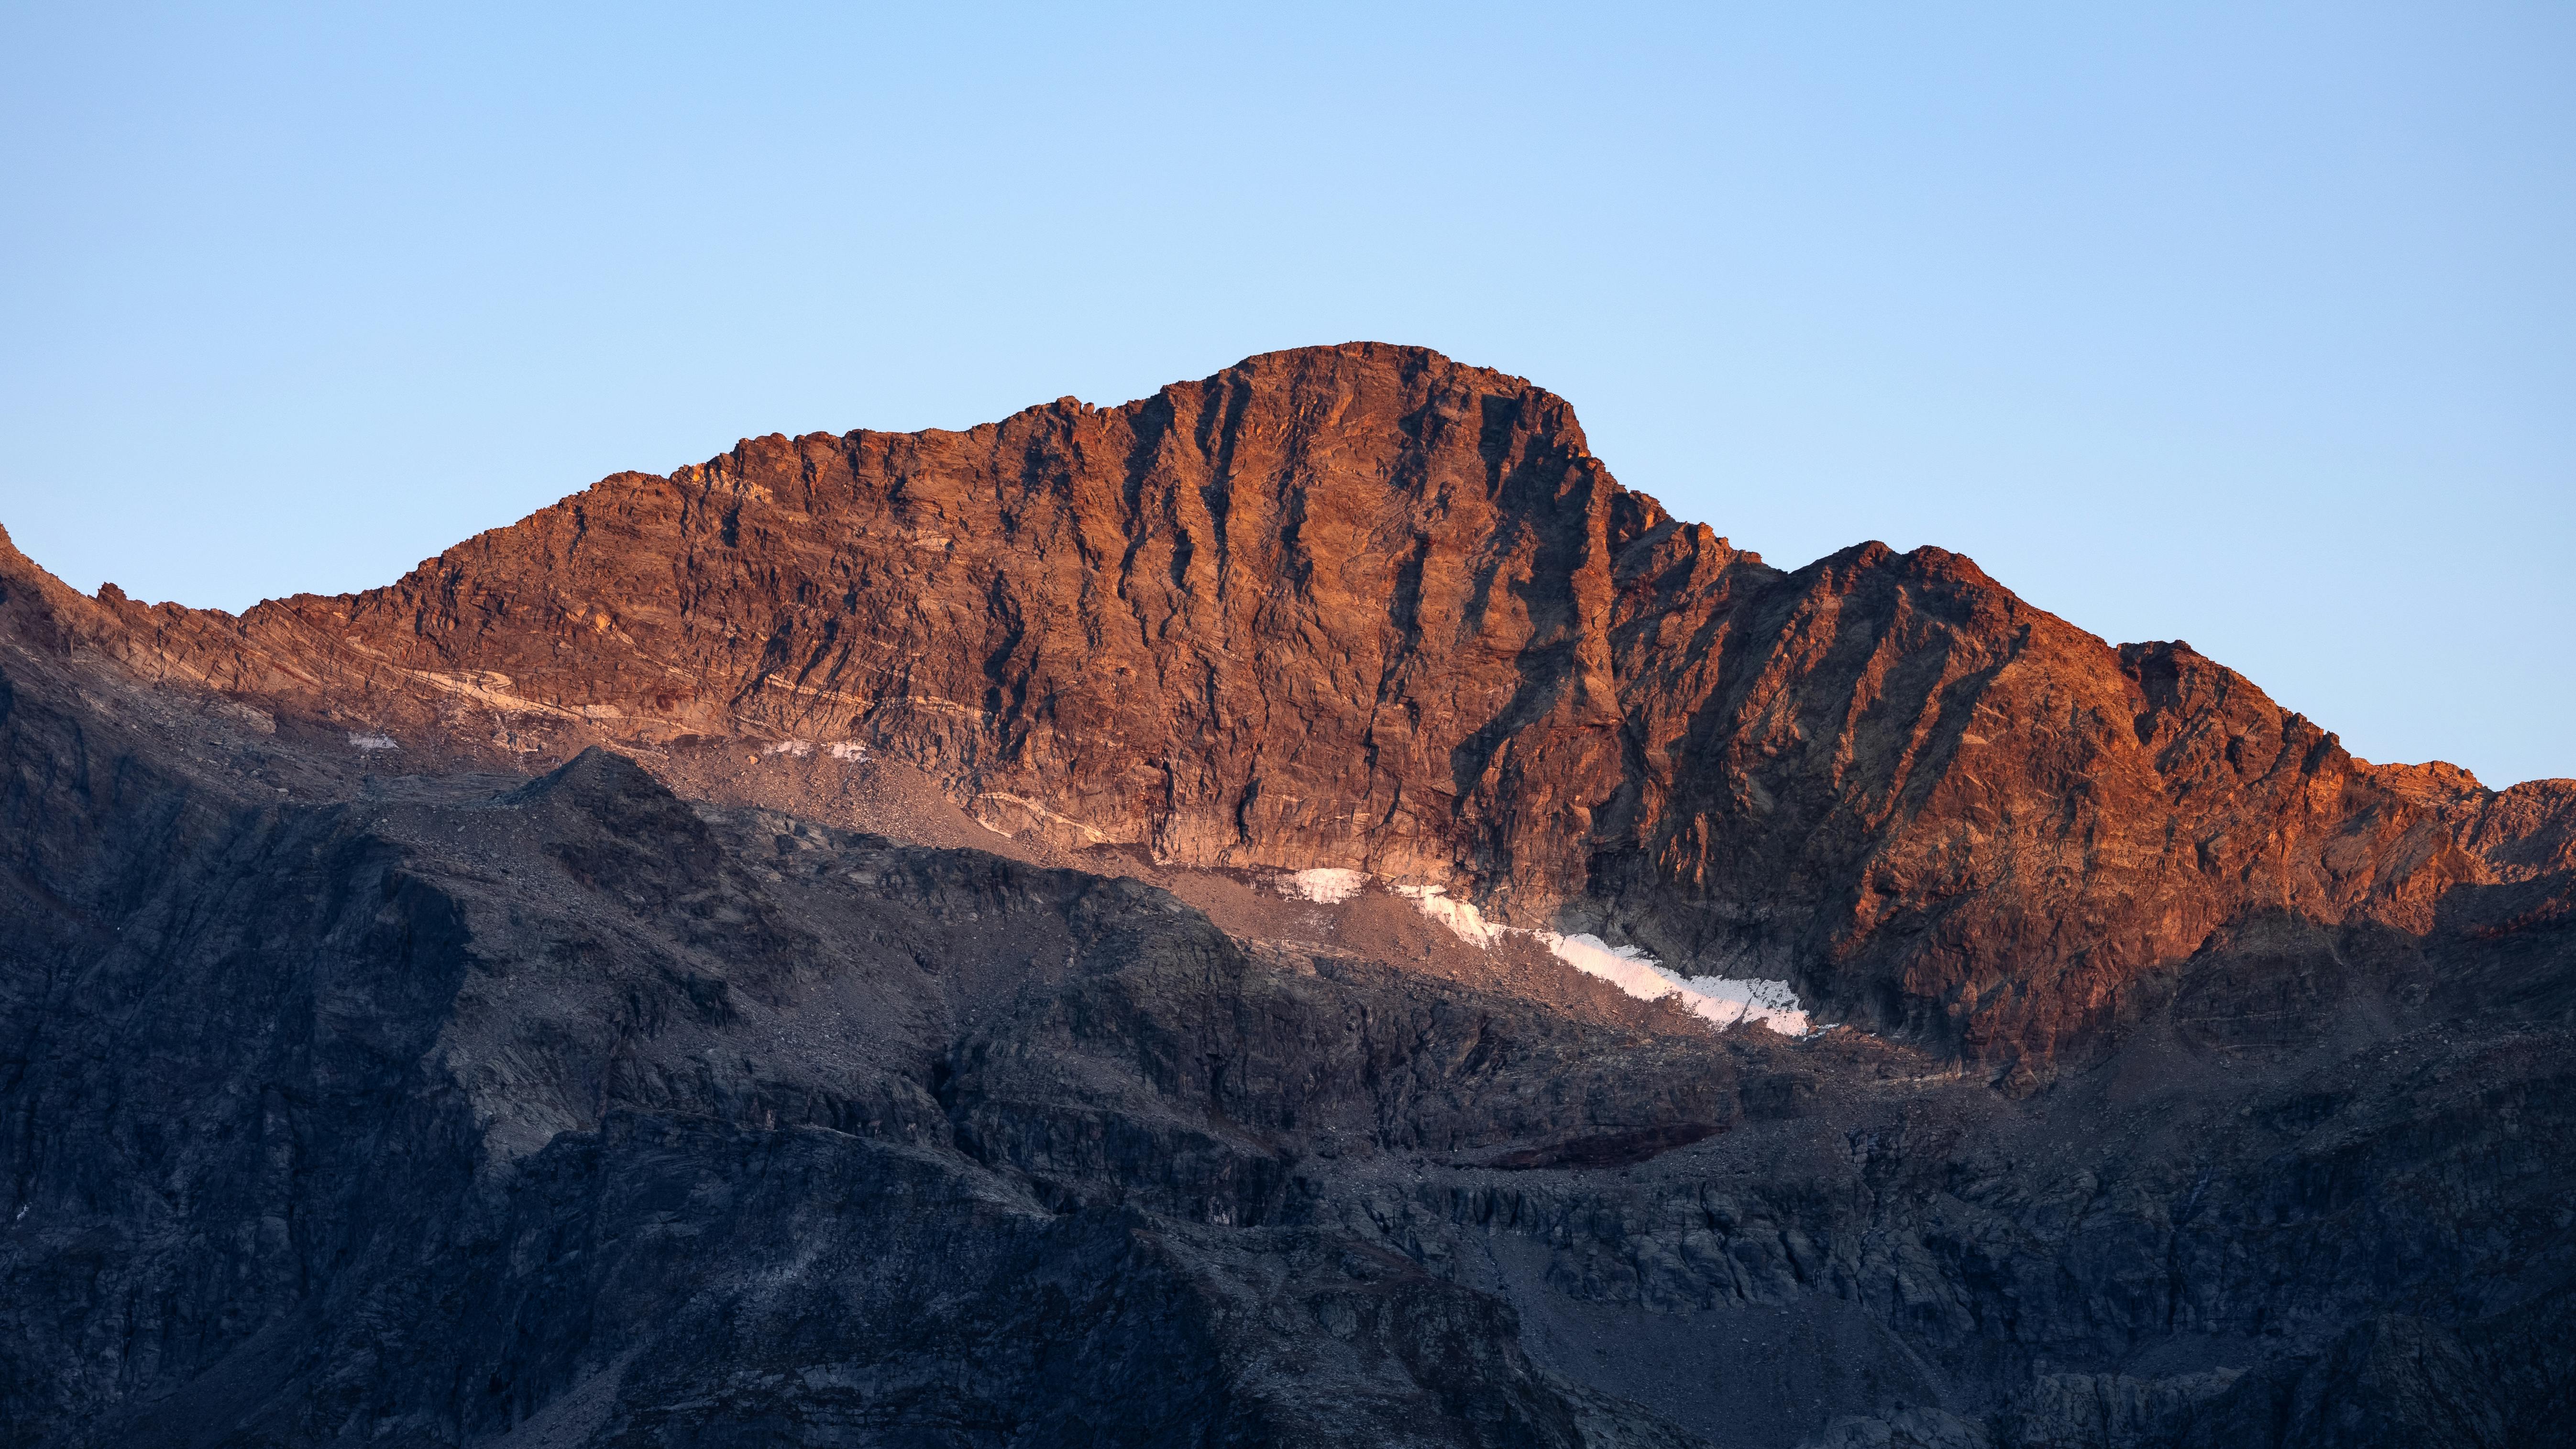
x,y
1293,911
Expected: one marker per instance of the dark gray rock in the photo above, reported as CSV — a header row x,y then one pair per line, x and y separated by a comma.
x,y
474,1088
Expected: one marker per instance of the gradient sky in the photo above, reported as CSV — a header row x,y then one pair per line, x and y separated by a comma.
x,y
2253,325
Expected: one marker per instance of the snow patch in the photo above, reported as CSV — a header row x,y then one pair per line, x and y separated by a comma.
x,y
1725,1000
850,750
794,749
1327,886
372,742
1463,920
1626,967
1722,1000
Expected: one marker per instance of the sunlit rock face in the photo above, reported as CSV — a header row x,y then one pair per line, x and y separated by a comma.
x,y
1366,608
1294,910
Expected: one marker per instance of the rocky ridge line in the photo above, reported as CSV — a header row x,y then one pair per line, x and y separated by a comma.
x,y
1364,607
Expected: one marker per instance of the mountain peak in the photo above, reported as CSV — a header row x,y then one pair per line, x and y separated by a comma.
x,y
1365,607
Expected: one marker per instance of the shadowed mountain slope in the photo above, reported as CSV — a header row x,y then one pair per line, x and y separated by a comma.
x,y
801,951
1362,606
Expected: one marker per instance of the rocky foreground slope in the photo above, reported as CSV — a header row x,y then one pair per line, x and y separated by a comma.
x,y
805,950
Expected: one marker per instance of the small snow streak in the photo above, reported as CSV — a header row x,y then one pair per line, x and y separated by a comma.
x,y
1463,920
372,742
1724,1000
1721,1000
1325,887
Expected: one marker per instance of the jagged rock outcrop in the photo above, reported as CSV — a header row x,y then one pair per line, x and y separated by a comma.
x,y
487,1011
1363,606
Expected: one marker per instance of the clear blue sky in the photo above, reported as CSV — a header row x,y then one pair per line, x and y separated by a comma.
x,y
2253,325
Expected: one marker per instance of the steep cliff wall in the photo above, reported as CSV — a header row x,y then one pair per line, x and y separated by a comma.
x,y
343,1100
908,1040
1366,607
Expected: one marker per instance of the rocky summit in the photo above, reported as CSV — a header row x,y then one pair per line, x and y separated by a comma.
x,y
1292,911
